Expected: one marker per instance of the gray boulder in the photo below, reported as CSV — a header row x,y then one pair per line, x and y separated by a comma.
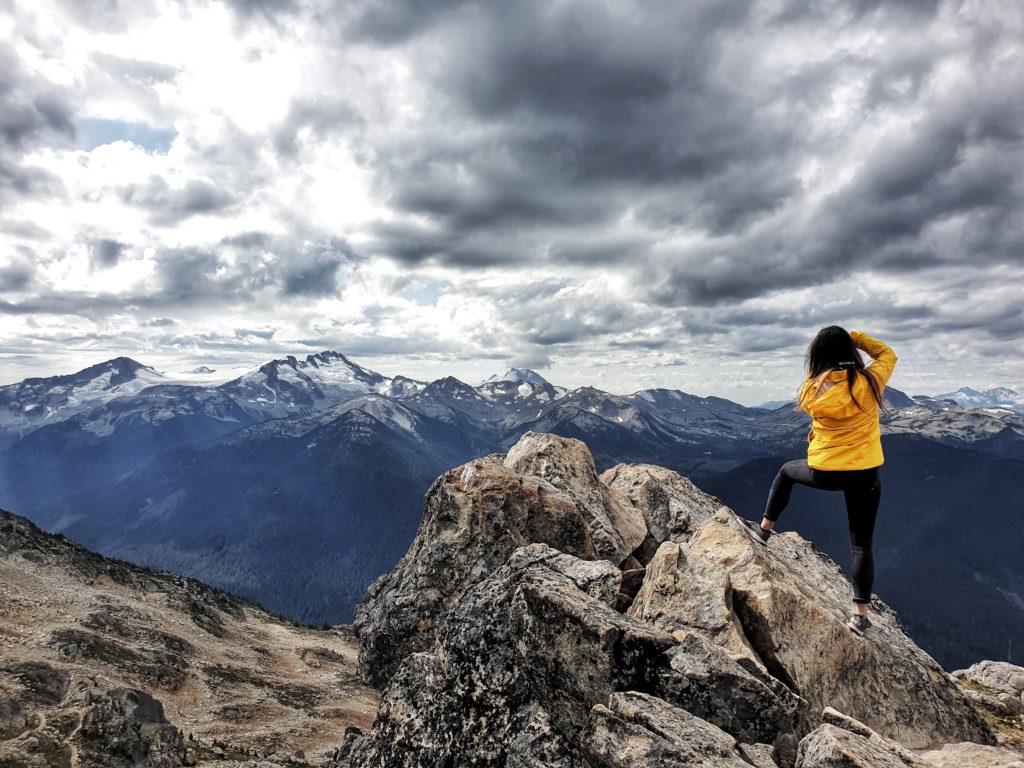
x,y
997,685
669,503
617,527
636,730
791,603
475,516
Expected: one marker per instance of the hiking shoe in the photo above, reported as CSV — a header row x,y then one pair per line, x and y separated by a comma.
x,y
757,533
858,623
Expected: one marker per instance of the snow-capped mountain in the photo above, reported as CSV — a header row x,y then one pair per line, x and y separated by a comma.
x,y
402,386
293,385
519,374
34,402
680,408
999,397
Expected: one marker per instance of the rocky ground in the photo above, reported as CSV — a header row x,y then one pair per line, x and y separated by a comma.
x,y
546,617
106,664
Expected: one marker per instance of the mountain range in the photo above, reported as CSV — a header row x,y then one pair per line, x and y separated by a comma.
x,y
299,482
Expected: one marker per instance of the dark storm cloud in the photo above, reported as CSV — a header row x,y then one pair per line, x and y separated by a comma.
x,y
106,253
168,206
17,275
388,23
589,111
31,108
550,123
33,112
320,117
314,277
952,167
296,267
194,274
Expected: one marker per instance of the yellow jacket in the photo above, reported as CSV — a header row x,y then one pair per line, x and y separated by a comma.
x,y
842,436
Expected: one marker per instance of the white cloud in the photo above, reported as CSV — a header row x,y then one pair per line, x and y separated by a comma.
x,y
455,190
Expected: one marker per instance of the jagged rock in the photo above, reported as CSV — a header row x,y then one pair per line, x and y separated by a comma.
x,y
539,635
37,750
159,668
792,603
834,717
539,745
736,696
844,742
865,748
636,730
43,683
527,656
475,516
616,527
681,591
670,504
998,685
967,755
14,718
760,755
125,728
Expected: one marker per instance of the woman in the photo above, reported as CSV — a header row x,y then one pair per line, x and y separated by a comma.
x,y
845,447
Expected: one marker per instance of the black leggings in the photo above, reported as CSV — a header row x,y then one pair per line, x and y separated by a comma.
x,y
862,489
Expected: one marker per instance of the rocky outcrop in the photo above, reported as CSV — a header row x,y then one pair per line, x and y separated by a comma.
x,y
670,504
997,685
475,516
526,654
997,690
544,490
548,617
787,606
844,742
96,726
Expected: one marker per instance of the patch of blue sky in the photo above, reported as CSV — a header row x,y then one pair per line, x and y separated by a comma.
x,y
427,292
95,131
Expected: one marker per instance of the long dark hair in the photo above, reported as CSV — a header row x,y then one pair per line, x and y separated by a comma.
x,y
833,349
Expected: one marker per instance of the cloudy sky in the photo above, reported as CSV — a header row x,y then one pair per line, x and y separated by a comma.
x,y
614,193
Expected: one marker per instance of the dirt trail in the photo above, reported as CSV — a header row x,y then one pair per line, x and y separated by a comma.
x,y
72,747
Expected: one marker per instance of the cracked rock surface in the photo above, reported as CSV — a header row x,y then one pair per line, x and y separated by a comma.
x,y
549,617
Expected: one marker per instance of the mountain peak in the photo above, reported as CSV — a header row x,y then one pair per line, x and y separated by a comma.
x,y
122,368
520,374
630,618
997,397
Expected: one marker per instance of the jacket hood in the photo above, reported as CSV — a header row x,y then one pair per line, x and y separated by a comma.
x,y
821,400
